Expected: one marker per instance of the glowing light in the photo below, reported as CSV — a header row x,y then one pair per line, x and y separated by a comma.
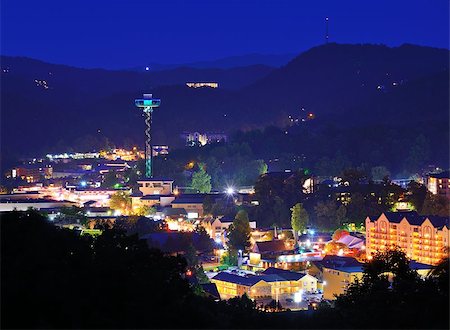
x,y
340,252
298,296
83,183
230,190
172,225
218,240
324,283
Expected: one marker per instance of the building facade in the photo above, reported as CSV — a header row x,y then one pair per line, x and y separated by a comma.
x,y
439,184
423,238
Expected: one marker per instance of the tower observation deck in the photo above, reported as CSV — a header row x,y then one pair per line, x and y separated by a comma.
x,y
147,104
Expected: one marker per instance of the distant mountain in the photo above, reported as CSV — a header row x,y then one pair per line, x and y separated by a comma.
x,y
224,63
405,88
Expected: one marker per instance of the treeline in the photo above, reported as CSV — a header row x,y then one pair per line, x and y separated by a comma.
x,y
329,149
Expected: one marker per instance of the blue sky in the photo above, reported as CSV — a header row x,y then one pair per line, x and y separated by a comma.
x,y
124,33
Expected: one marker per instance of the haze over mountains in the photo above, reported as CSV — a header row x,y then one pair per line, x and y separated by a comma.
x,y
342,85
272,60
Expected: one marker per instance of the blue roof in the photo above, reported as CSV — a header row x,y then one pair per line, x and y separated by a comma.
x,y
285,274
345,264
211,289
233,278
191,198
419,266
413,218
150,197
249,280
271,278
442,175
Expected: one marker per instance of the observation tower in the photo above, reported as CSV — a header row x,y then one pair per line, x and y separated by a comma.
x,y
147,104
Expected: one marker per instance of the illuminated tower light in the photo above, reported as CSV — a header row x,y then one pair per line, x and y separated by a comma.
x,y
147,104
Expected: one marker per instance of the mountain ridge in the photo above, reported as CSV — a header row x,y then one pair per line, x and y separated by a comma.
x,y
340,84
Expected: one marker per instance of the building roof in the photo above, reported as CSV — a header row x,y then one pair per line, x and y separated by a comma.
x,y
168,211
276,245
226,219
285,274
413,218
211,290
351,241
345,264
419,266
279,175
442,175
155,180
151,198
233,278
190,199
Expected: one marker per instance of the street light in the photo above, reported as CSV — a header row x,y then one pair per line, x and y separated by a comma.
x,y
229,191
298,296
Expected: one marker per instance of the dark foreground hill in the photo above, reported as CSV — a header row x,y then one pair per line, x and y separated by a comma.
x,y
343,85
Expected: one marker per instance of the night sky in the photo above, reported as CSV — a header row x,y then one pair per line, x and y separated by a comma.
x,y
127,33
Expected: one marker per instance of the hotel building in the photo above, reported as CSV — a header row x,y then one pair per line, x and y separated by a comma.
x,y
423,238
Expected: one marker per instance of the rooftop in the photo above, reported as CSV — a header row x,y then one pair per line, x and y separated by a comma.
x,y
277,245
285,274
155,180
413,218
442,175
345,264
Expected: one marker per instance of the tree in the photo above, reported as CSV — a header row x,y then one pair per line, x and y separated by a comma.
x,y
208,205
417,194
299,219
389,287
229,258
121,201
144,210
239,232
109,179
194,266
201,181
379,173
418,154
327,217
262,167
204,241
72,215
435,205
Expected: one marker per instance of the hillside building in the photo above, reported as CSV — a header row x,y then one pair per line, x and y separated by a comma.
x,y
423,238
439,184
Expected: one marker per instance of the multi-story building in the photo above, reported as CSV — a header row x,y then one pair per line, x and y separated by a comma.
x,y
272,283
439,184
218,227
337,273
32,173
423,238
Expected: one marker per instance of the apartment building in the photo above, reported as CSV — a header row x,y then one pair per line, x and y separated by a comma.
x,y
423,238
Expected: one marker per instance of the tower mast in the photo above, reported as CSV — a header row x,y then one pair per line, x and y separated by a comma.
x,y
147,104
